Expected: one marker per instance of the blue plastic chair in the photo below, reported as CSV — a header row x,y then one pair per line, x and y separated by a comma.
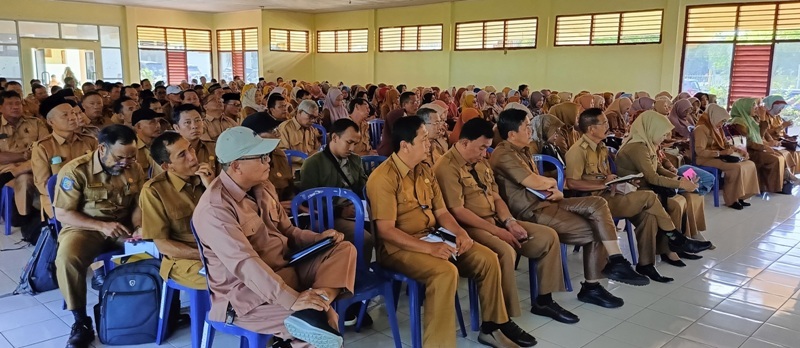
x,y
199,305
717,173
7,203
369,284
540,160
628,225
375,132
51,193
323,132
416,293
247,338
290,154
371,162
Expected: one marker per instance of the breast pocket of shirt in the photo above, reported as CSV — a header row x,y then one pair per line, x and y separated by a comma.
x,y
252,226
179,216
96,197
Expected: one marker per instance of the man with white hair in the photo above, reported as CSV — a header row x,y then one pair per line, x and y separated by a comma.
x,y
297,133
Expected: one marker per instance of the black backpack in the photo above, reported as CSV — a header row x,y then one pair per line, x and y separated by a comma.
x,y
127,313
39,274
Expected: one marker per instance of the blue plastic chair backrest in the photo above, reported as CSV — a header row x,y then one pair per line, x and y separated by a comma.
x,y
540,159
150,172
202,255
323,132
371,162
294,153
51,187
375,132
612,164
320,202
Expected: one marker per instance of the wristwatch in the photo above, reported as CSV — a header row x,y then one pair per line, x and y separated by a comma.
x,y
509,219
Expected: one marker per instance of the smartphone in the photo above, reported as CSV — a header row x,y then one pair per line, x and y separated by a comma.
x,y
690,174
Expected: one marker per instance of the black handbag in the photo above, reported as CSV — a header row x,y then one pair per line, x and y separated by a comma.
x,y
664,193
730,159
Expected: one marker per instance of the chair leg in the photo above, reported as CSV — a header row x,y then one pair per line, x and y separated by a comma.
x,y
208,336
337,306
361,313
516,263
198,311
258,340
244,342
414,304
533,278
716,189
167,294
391,310
460,317
631,241
474,305
565,268
8,208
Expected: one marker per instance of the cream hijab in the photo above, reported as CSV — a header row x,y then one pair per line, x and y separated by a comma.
x,y
648,127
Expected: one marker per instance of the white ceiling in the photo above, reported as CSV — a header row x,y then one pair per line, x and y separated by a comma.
x,y
313,6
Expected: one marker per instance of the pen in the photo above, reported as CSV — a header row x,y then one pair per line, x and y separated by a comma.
x,y
322,295
439,234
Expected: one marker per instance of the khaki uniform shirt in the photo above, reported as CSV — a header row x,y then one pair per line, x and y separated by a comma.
x,y
167,204
21,136
409,196
51,154
634,158
89,130
295,137
511,165
461,189
215,126
363,147
205,152
84,186
587,160
145,160
280,174
248,233
438,147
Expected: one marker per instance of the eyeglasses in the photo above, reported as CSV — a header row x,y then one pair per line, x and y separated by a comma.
x,y
122,159
236,105
264,158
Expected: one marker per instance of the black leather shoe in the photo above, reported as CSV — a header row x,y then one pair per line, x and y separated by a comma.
x,y
743,203
312,327
690,256
97,281
351,316
555,312
737,206
651,272
597,295
676,263
517,334
81,335
682,244
619,269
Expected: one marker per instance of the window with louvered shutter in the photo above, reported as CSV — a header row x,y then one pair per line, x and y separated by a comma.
x,y
494,35
342,41
174,54
412,38
238,53
288,40
618,28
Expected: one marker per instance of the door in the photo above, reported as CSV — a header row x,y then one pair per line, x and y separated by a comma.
x,y
51,60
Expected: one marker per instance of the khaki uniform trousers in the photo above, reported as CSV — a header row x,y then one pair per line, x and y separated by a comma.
x,y
544,247
584,221
770,170
183,272
333,269
646,213
24,192
440,278
76,252
348,229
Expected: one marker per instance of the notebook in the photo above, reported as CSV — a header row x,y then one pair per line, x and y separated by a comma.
x,y
311,251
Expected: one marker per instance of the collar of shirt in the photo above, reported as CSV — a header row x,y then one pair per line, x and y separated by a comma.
x,y
179,183
235,191
592,144
97,167
402,168
460,161
139,143
61,140
296,124
210,117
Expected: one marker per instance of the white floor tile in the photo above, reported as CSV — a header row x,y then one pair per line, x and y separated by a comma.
x,y
593,321
607,342
12,303
36,333
564,335
730,322
4,343
712,336
679,342
57,342
757,343
659,321
679,309
696,297
778,335
639,336
25,316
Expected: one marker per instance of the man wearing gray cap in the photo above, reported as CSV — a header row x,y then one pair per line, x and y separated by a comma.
x,y
173,99
246,235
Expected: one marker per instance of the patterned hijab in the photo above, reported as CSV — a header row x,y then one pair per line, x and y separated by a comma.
x,y
648,127
741,115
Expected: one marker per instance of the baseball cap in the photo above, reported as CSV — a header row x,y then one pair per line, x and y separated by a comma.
x,y
237,142
143,115
173,90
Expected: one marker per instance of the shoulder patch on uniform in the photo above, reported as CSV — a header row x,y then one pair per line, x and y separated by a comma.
x,y
584,144
67,184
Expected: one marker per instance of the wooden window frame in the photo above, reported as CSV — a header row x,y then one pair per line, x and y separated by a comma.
x,y
736,39
233,50
336,40
619,29
185,49
505,35
289,40
418,27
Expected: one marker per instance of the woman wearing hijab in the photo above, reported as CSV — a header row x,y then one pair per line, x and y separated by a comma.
x,y
771,164
452,109
480,100
249,104
642,94
492,111
568,114
333,108
586,101
536,101
773,129
617,114
682,95
741,178
514,97
679,117
641,104
501,100
664,94
703,98
565,96
390,102
428,98
467,113
459,96
609,97
550,102
638,154
599,102
547,133
775,125
664,106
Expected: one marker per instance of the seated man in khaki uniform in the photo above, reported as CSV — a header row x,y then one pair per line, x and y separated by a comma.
x,y
187,121
168,201
96,198
123,111
588,170
582,221
280,173
92,104
407,204
359,113
432,115
216,123
472,196
298,134
147,126
55,150
246,236
18,133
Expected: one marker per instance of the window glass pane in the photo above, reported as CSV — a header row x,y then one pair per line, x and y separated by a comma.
x,y
226,66
430,38
9,62
109,36
786,77
573,30
605,29
342,41
199,64
521,33
8,32
112,64
711,24
707,68
153,65
641,27
298,41
410,38
390,39
78,32
326,41
788,22
469,36
38,29
493,32
151,37
278,40
251,66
